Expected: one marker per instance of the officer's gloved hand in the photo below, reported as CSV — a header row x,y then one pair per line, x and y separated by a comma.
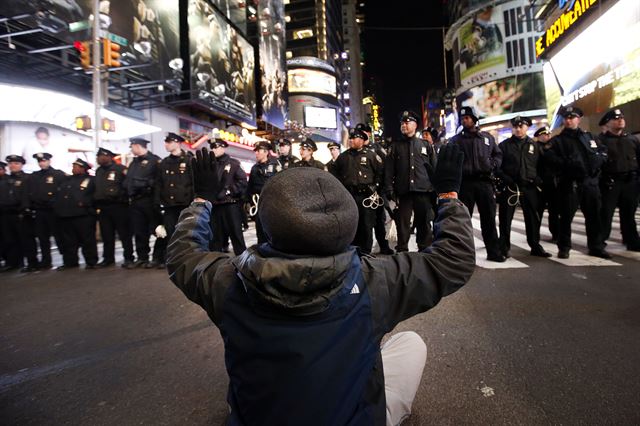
x,y
448,173
205,176
391,196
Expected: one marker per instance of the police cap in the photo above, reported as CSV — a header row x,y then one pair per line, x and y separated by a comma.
x,y
218,143
308,143
518,120
105,151
15,159
284,141
3,164
357,133
80,162
610,115
467,110
409,116
42,156
139,141
363,126
172,137
544,130
571,111
333,144
262,145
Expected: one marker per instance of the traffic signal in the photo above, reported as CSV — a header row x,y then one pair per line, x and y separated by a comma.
x,y
108,125
84,47
111,53
83,122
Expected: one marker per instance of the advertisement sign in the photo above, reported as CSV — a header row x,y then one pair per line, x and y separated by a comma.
x,y
235,10
148,30
320,117
508,95
222,64
273,65
311,81
608,76
561,26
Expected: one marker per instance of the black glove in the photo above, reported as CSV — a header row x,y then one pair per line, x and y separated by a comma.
x,y
448,172
205,175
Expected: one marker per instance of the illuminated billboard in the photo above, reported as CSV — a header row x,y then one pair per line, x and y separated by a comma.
x,y
608,76
221,64
302,80
320,117
273,65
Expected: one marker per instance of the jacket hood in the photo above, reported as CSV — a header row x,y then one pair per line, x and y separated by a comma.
x,y
294,284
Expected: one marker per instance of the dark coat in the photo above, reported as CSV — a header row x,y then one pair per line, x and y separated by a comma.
x,y
110,185
482,156
42,187
174,185
408,165
75,196
141,175
232,180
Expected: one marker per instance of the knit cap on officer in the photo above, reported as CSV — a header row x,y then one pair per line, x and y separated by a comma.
x,y
314,216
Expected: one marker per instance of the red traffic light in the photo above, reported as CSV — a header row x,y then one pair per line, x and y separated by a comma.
x,y
79,45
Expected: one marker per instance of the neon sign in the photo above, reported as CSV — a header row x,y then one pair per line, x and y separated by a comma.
x,y
576,10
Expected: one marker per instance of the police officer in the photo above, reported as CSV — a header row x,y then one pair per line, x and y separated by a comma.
x,y
140,183
261,172
334,150
379,229
112,205
174,189
619,182
519,171
360,171
578,158
408,182
482,157
42,189
307,148
17,219
76,216
548,198
285,158
226,213
3,181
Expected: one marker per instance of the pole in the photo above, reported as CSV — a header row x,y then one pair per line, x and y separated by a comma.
x,y
444,57
97,101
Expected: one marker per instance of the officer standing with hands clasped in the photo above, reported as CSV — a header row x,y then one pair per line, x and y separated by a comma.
x,y
619,182
304,314
264,169
482,158
360,171
578,158
519,171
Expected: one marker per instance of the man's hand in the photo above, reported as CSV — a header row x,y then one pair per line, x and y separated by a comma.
x,y
448,173
205,175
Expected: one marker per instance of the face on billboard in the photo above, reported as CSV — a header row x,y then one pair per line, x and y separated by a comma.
x,y
273,67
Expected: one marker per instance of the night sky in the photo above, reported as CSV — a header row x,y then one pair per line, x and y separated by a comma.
x,y
394,56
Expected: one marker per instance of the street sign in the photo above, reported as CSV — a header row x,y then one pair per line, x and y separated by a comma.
x,y
117,39
78,26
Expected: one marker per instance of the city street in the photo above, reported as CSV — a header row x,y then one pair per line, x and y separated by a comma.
x,y
540,342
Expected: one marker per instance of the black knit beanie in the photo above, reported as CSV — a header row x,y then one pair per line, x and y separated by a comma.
x,y
307,211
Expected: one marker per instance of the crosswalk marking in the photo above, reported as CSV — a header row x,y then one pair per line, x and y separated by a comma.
x,y
481,258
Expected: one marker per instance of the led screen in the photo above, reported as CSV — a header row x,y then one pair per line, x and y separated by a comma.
x,y
311,81
320,117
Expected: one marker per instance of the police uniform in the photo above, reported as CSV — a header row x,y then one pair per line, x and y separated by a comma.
x,y
3,247
226,212
259,175
360,171
17,220
619,182
42,189
174,189
76,216
482,157
308,143
112,205
519,170
286,161
407,180
578,158
548,197
330,165
144,218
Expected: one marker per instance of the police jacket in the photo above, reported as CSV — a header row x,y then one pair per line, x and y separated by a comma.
x,y
302,334
623,155
42,188
331,166
577,156
546,169
260,173
13,192
109,183
311,163
359,170
407,167
482,156
174,186
520,159
232,180
141,176
286,161
75,196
